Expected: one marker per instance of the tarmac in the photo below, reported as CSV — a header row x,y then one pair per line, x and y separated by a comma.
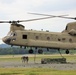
x,y
19,64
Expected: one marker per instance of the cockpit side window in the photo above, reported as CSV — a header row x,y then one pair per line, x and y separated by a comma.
x,y
12,34
66,28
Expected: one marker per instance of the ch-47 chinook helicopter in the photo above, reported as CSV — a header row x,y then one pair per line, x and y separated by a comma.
x,y
19,36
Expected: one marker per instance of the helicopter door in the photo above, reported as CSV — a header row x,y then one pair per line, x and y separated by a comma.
x,y
24,39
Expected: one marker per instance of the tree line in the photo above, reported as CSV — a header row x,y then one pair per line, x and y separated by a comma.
x,y
17,50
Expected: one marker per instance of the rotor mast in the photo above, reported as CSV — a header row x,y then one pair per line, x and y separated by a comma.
x,y
14,27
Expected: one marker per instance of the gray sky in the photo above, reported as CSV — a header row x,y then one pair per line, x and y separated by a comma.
x,y
18,10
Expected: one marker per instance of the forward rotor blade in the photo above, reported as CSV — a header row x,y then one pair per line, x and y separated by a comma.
x,y
26,20
61,16
4,21
35,19
8,21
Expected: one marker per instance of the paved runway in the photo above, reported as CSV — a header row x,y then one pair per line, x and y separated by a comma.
x,y
10,64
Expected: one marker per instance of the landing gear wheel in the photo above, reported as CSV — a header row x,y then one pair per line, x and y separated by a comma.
x,y
31,51
40,51
67,51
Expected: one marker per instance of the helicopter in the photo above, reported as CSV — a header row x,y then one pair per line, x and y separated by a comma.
x,y
19,36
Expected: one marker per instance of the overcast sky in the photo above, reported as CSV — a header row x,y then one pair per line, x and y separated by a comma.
x,y
18,10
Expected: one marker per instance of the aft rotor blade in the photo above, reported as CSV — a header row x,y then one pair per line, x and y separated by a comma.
x,y
67,17
61,16
47,15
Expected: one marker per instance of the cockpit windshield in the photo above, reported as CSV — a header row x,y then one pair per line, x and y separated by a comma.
x,y
66,28
11,34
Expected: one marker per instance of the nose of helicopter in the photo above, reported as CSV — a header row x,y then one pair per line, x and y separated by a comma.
x,y
6,40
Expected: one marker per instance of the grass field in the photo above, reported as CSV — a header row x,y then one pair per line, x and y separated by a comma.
x,y
38,57
34,71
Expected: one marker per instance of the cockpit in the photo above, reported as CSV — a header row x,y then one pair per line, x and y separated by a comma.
x,y
12,34
10,37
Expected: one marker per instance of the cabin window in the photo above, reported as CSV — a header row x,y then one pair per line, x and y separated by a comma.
x,y
70,40
37,37
59,39
24,36
48,38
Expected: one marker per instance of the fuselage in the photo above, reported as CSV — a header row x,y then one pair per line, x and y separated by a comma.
x,y
45,39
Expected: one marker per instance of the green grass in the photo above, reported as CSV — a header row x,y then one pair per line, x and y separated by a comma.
x,y
38,57
34,71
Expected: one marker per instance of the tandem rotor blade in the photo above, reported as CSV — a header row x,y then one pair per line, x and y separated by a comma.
x,y
8,21
4,21
61,16
47,15
50,16
26,20
36,19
